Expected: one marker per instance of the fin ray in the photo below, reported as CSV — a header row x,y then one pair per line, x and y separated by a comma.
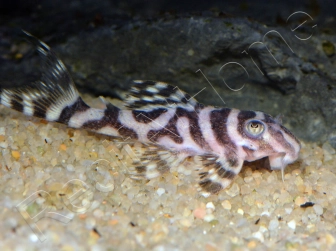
x,y
216,173
48,97
154,162
149,95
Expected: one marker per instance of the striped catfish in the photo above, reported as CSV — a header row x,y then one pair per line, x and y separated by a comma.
x,y
171,123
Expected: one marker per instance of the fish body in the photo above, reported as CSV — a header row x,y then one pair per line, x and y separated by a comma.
x,y
172,123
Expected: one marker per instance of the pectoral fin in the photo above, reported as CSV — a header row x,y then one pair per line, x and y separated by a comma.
x,y
154,162
216,173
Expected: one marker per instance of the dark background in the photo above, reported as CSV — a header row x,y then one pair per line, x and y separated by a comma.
x,y
64,17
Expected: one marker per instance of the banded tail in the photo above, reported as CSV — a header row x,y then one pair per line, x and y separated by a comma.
x,y
56,99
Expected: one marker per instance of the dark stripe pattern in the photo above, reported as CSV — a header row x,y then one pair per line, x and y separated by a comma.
x,y
270,120
223,173
210,186
147,117
16,103
142,91
194,128
110,118
211,162
69,111
40,107
170,129
218,120
213,185
278,136
164,93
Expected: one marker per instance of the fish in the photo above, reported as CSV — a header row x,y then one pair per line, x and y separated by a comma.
x,y
172,124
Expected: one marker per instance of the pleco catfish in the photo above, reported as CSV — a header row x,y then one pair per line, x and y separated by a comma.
x,y
171,123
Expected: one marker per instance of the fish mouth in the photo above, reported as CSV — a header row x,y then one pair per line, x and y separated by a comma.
x,y
273,162
276,161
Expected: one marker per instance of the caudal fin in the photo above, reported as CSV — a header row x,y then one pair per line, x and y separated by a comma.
x,y
54,97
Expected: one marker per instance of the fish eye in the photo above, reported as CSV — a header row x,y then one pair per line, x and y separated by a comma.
x,y
255,128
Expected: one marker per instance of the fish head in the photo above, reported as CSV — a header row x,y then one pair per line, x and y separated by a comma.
x,y
265,136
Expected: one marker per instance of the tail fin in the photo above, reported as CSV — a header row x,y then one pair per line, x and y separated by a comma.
x,y
54,97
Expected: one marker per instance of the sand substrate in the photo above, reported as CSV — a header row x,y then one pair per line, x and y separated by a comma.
x,y
67,189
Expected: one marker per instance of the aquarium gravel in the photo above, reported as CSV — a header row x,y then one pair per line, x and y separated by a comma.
x,y
68,189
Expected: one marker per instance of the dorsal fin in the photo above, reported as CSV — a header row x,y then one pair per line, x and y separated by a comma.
x,y
149,95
